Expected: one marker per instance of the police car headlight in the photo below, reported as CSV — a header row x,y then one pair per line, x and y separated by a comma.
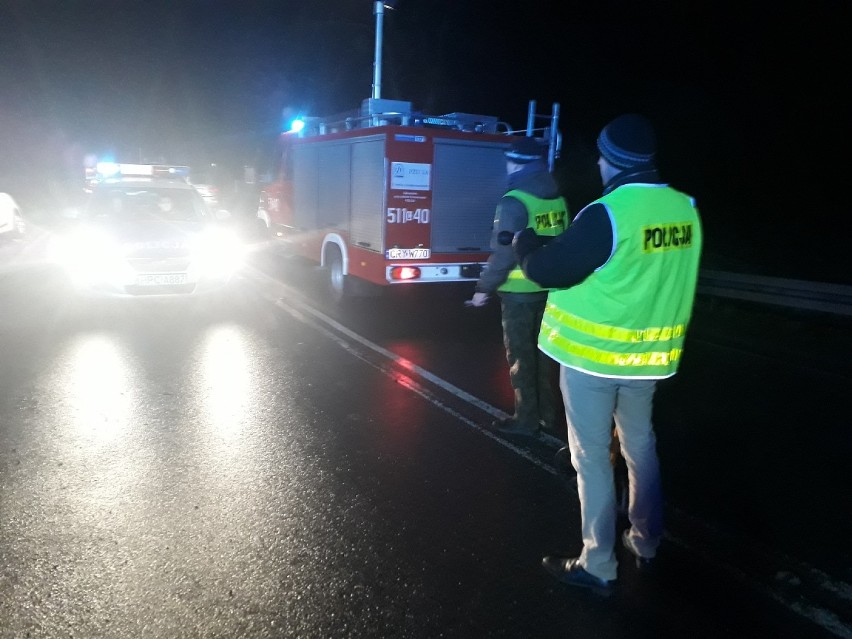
x,y
90,255
217,253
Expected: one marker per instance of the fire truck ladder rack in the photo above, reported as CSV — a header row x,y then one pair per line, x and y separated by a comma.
x,y
550,132
379,112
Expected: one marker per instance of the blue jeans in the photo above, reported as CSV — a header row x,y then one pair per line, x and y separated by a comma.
x,y
591,405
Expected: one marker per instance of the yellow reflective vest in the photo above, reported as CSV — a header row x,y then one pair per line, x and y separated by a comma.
x,y
546,217
629,317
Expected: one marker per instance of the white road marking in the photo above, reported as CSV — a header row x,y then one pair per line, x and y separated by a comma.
x,y
778,588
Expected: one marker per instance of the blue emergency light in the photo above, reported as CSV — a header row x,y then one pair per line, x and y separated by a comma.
x,y
106,170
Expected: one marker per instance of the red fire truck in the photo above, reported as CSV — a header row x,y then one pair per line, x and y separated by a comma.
x,y
388,196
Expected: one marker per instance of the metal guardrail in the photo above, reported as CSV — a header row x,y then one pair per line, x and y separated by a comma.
x,y
815,296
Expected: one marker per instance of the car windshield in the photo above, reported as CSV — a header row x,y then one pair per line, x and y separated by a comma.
x,y
134,203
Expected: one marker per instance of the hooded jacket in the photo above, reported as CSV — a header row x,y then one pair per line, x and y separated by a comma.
x,y
510,217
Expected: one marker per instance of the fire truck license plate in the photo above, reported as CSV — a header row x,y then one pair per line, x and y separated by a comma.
x,y
408,254
161,279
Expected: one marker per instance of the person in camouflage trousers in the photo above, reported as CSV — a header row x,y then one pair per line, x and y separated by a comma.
x,y
531,201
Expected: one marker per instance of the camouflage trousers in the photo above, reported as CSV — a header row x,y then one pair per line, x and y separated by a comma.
x,y
531,372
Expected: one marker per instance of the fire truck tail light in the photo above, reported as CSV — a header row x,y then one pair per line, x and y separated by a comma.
x,y
405,273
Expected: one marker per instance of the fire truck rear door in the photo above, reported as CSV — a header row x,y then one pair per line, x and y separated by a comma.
x,y
469,180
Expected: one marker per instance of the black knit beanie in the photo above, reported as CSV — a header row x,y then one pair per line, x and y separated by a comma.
x,y
628,142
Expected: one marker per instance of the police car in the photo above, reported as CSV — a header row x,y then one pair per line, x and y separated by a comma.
x,y
145,231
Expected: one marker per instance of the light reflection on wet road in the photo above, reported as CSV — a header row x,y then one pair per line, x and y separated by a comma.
x,y
176,471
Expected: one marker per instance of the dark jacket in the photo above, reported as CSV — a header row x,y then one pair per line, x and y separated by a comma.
x,y
582,248
511,217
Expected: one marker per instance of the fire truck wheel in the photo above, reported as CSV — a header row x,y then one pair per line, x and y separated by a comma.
x,y
338,287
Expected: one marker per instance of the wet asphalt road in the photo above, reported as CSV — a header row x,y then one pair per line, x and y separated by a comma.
x,y
252,469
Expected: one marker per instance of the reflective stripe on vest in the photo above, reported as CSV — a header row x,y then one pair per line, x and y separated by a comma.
x,y
546,217
629,317
671,334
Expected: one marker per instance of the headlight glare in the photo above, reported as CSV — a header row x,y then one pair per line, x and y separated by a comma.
x,y
90,255
218,253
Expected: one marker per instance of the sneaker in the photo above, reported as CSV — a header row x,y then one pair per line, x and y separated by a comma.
x,y
570,572
511,426
644,564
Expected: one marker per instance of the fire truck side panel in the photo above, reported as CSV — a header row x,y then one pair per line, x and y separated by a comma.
x,y
333,185
469,179
367,265
305,187
368,195
322,185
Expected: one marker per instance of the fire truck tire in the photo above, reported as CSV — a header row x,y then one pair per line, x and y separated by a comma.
x,y
339,288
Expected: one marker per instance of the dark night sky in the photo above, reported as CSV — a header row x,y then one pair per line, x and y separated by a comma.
x,y
748,100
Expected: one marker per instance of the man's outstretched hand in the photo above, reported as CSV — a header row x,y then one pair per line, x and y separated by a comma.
x,y
478,299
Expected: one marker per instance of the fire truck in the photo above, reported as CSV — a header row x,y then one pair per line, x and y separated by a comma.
x,y
388,196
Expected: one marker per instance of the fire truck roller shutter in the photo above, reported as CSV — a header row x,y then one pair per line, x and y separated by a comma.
x,y
305,187
333,164
321,178
368,193
469,180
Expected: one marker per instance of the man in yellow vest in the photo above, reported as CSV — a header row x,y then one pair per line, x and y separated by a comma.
x,y
532,201
626,270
